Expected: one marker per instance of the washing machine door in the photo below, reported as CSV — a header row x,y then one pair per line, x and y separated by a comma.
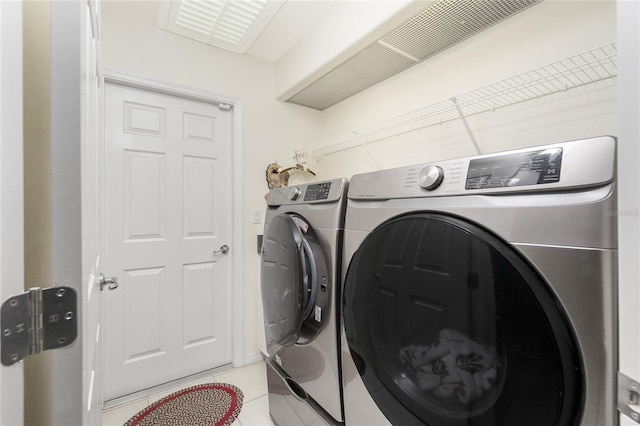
x,y
293,280
449,325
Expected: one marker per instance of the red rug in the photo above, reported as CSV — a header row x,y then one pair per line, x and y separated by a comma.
x,y
212,404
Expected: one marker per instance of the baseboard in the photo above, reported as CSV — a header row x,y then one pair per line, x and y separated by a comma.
x,y
253,357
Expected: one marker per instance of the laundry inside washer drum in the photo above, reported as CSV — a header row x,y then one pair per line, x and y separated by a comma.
x,y
450,322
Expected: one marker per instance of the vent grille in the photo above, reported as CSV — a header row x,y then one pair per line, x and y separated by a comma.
x,y
435,29
448,22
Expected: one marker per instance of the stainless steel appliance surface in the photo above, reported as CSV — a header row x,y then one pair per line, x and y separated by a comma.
x,y
300,284
482,290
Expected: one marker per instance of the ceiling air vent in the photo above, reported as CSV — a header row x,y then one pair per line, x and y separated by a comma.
x,y
438,27
232,25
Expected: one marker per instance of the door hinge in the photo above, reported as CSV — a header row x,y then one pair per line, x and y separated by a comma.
x,y
36,321
629,397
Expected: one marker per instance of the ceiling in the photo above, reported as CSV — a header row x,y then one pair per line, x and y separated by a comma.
x,y
293,21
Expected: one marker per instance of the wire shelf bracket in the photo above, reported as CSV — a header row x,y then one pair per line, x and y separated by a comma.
x,y
466,125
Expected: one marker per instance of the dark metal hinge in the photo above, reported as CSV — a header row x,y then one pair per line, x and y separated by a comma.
x,y
629,397
36,321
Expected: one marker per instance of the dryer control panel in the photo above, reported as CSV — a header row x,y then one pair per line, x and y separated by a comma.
x,y
317,192
320,192
580,163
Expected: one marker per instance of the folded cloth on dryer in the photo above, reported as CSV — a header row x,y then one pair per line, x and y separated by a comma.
x,y
453,366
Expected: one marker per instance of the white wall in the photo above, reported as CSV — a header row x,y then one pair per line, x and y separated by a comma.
x,y
271,128
543,34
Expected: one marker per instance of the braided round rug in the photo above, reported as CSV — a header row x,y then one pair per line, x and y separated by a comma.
x,y
212,404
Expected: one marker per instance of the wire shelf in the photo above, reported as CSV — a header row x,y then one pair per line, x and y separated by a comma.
x,y
584,68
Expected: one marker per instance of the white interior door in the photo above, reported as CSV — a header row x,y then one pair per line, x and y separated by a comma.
x,y
168,192
74,119
92,171
11,195
75,156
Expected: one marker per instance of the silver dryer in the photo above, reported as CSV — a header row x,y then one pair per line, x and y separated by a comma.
x,y
482,290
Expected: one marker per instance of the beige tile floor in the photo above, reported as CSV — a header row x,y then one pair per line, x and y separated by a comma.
x,y
251,379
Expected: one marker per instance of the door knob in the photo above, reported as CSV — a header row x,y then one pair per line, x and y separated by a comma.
x,y
223,250
111,283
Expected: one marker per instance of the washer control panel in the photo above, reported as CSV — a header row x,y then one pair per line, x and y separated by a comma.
x,y
536,167
584,162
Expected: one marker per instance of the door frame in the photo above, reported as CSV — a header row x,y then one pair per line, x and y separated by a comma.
x,y
11,193
237,271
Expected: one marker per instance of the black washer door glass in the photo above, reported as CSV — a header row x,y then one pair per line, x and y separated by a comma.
x,y
288,280
448,325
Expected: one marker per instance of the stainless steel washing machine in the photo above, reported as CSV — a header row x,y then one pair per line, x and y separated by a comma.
x,y
300,281
482,290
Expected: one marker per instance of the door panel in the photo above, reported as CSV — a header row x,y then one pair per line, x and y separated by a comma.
x,y
144,196
167,187
199,197
143,336
199,300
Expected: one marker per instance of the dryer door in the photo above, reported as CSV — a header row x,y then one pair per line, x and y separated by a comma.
x,y
293,279
449,325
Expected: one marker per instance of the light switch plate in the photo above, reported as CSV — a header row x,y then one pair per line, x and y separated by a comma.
x,y
257,216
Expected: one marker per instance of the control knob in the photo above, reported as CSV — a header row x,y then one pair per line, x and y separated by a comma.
x,y
295,193
430,177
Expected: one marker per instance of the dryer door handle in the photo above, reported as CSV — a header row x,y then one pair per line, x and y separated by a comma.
x,y
310,284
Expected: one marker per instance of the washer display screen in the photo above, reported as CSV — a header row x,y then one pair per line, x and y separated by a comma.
x,y
528,168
